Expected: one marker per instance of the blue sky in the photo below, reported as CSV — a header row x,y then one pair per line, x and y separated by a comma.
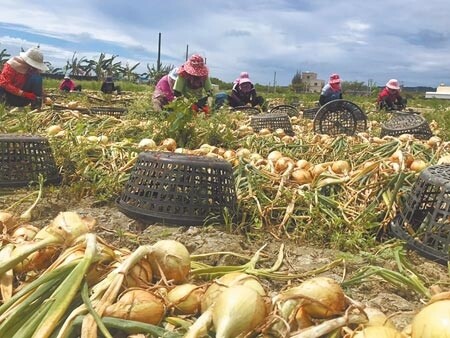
x,y
360,40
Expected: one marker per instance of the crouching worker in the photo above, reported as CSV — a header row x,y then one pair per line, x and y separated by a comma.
x,y
108,86
163,93
244,93
193,82
67,85
21,79
389,97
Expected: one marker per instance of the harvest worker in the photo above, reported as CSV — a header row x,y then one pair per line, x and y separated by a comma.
x,y
332,90
163,93
21,79
389,97
193,82
68,85
108,86
243,75
244,93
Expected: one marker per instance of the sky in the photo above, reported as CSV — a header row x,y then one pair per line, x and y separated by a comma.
x,y
270,39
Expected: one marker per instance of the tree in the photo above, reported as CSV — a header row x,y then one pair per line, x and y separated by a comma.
x,y
297,83
76,66
153,75
4,56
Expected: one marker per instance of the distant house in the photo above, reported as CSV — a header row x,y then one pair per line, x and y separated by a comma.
x,y
442,92
311,82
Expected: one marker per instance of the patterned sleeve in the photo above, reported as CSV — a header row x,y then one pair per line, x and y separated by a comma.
x,y
6,78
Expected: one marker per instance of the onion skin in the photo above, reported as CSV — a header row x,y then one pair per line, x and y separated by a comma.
x,y
170,259
379,332
186,299
433,321
237,311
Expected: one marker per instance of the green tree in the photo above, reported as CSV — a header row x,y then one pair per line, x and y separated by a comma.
x,y
297,84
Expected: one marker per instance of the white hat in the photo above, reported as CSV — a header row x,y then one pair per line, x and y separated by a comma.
x,y
393,84
173,74
34,58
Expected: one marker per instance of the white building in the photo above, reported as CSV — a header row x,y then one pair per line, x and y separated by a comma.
x,y
442,92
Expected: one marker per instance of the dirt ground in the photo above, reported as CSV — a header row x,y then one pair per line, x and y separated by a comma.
x,y
120,230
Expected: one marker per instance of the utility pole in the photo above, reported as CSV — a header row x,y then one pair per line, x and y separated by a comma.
x,y
187,52
274,81
158,62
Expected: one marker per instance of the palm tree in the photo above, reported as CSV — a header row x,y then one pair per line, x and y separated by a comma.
x,y
4,56
128,72
75,66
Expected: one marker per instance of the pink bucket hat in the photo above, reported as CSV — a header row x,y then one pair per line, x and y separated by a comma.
x,y
334,79
196,66
244,80
393,84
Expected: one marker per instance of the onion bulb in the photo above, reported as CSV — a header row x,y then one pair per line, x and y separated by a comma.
x,y
227,280
264,132
186,299
170,259
54,129
237,311
274,156
321,297
25,232
7,221
301,176
229,154
434,141
444,160
170,144
433,321
243,153
279,132
377,318
418,165
283,163
317,169
340,167
379,332
303,164
139,305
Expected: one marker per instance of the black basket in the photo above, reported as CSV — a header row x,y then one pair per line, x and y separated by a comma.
x,y
407,123
178,189
110,111
247,110
272,121
23,158
340,117
310,113
424,221
284,109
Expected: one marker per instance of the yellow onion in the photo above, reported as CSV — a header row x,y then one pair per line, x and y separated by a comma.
x,y
279,132
72,104
243,153
317,169
38,260
25,232
301,176
264,132
405,137
287,139
303,164
238,311
418,165
48,101
92,139
283,163
444,160
321,297
170,259
170,144
379,332
139,305
396,157
186,299
229,154
139,275
433,321
227,280
7,221
254,157
54,129
274,156
377,318
340,167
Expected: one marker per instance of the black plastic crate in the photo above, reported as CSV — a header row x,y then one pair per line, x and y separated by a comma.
x,y
178,189
272,121
284,109
23,158
110,111
247,110
407,123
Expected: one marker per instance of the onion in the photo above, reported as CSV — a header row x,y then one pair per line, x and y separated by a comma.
x,y
444,160
280,132
238,310
340,167
287,139
318,169
139,275
303,164
7,221
433,321
405,137
147,143
274,156
396,157
227,280
170,144
264,132
54,129
243,153
377,318
103,139
229,154
301,176
186,299
72,105
25,232
170,259
379,332
418,165
139,305
283,163
92,139
321,297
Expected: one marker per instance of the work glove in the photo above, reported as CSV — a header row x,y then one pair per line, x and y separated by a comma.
x,y
194,107
29,96
205,109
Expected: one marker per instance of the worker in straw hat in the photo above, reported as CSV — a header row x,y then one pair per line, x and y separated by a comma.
x,y
389,97
332,90
21,79
193,82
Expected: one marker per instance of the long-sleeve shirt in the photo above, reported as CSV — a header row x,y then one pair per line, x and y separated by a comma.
x,y
181,86
389,97
329,94
164,88
241,98
67,84
14,75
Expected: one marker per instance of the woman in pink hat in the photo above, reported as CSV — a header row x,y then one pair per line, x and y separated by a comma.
x,y
332,90
193,82
163,93
21,79
244,93
389,97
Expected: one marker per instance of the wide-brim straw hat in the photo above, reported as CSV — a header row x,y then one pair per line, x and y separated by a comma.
x,y
34,58
196,66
